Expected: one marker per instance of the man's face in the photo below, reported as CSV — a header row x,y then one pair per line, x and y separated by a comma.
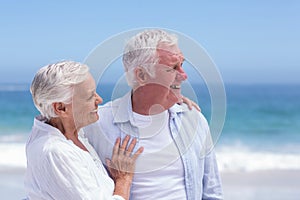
x,y
85,103
169,72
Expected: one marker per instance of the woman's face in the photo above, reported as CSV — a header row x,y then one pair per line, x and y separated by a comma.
x,y
85,103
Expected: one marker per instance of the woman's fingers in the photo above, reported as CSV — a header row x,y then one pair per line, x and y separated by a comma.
x,y
131,147
116,146
190,103
137,153
124,144
122,163
196,106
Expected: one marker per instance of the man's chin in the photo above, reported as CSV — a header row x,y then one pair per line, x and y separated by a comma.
x,y
174,97
177,95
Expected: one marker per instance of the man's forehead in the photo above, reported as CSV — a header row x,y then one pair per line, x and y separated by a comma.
x,y
170,57
168,49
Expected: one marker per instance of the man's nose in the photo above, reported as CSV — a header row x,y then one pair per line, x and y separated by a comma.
x,y
181,75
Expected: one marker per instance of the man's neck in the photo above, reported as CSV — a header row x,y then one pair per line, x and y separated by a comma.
x,y
149,102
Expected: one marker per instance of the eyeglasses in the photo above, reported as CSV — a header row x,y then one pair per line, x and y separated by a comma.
x,y
167,68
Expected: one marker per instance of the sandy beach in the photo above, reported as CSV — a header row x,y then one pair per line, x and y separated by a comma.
x,y
12,184
262,185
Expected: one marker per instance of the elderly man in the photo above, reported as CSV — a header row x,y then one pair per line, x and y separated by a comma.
x,y
178,161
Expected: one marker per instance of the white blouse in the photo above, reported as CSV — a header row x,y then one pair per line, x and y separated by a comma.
x,y
58,169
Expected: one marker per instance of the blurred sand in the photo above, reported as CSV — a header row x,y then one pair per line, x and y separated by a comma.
x,y
262,185
12,184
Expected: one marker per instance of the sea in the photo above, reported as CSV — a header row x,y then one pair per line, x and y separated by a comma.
x,y
261,129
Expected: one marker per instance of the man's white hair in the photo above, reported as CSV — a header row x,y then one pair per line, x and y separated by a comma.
x,y
55,83
141,51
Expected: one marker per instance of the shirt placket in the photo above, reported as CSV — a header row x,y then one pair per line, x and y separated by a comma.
x,y
174,125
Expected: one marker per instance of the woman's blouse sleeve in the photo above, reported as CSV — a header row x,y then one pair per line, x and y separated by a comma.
x,y
71,174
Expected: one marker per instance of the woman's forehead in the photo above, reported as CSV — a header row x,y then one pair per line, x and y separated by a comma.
x,y
88,85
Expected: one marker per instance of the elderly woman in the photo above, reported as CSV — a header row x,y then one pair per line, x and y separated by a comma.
x,y
61,164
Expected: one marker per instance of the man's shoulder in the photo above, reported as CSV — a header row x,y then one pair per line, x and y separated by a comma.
x,y
193,118
111,103
115,102
193,113
108,106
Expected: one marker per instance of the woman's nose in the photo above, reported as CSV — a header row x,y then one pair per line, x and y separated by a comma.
x,y
99,99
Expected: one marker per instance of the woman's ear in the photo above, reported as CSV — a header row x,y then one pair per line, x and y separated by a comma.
x,y
59,108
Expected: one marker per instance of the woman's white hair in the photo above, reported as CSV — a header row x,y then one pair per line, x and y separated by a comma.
x,y
55,83
140,51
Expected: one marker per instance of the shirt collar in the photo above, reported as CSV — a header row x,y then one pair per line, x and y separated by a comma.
x,y
177,109
122,109
40,122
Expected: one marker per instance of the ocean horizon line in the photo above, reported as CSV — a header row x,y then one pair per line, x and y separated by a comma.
x,y
15,86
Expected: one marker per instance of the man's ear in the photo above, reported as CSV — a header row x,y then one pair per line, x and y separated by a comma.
x,y
59,108
141,75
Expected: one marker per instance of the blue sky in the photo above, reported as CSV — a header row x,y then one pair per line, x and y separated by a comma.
x,y
249,41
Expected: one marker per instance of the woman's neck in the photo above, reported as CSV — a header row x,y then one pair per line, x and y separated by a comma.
x,y
68,130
